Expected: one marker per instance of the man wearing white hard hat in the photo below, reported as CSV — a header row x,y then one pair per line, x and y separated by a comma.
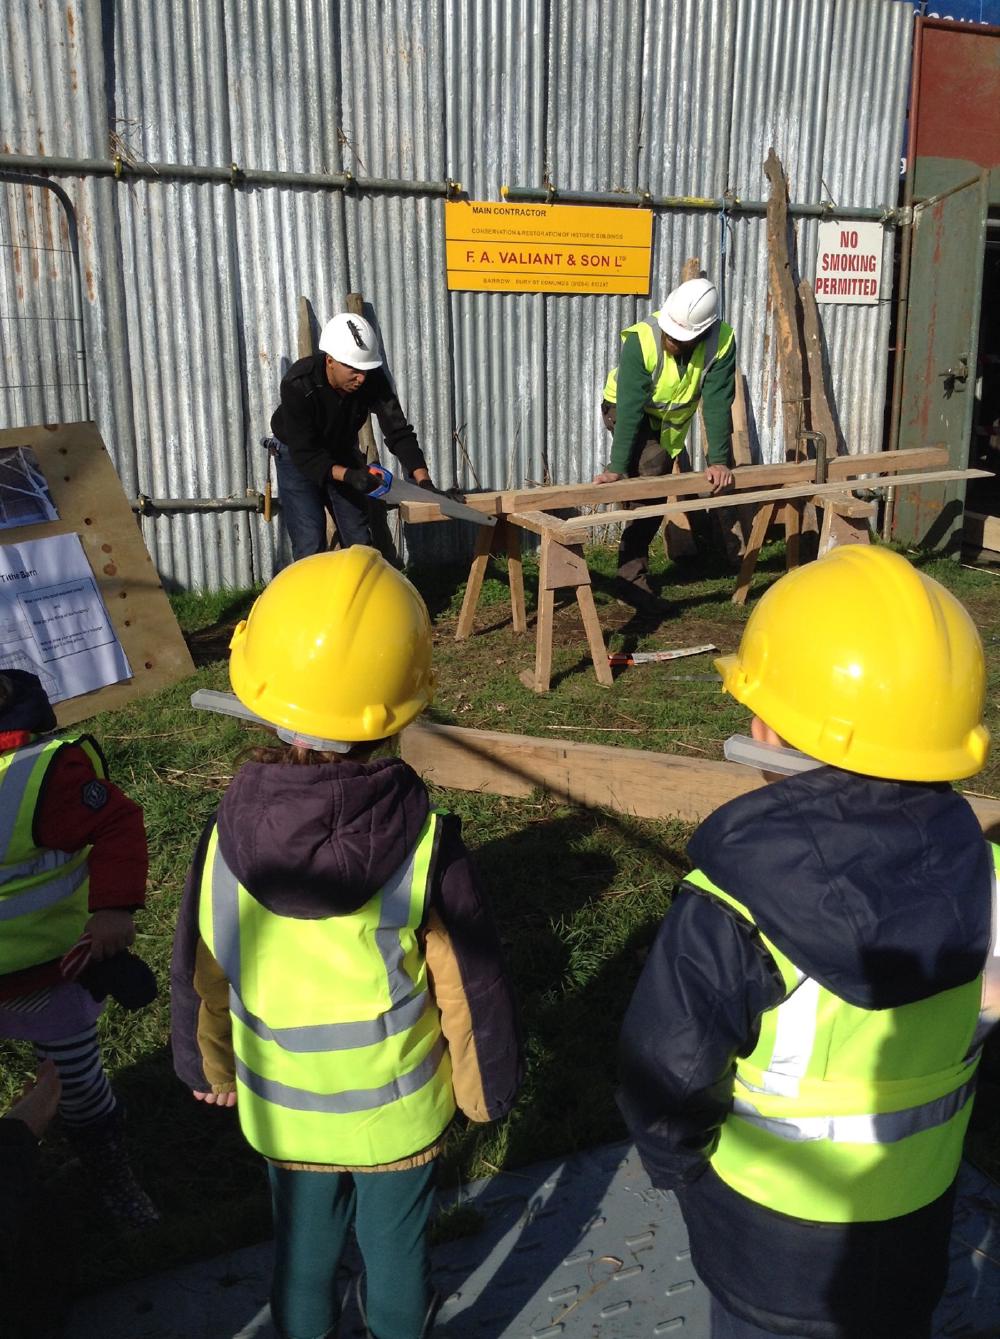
x,y
681,356
325,400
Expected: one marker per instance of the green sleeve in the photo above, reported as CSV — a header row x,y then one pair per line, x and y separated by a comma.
x,y
718,392
635,388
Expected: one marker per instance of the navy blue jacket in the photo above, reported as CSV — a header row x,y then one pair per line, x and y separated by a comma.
x,y
882,892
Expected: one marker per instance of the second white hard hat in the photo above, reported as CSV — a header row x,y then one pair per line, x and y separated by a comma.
x,y
351,340
690,310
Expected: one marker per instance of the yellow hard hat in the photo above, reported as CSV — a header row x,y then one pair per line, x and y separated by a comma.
x,y
863,662
336,649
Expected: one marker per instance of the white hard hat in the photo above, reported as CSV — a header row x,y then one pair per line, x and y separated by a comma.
x,y
689,310
351,340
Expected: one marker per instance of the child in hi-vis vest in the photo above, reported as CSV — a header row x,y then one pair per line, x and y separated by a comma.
x,y
336,971
799,1059
72,873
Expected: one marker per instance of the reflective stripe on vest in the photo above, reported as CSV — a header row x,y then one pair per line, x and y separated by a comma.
x,y
311,1056
842,1114
674,396
43,892
406,1008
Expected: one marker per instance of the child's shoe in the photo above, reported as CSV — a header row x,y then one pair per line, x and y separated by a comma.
x,y
101,1150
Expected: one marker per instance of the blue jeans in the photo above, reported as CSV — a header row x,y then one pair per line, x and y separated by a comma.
x,y
304,505
313,1212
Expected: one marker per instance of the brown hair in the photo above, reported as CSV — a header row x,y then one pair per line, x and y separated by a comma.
x,y
297,756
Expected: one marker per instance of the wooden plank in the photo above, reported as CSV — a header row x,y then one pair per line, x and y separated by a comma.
x,y
420,513
784,304
88,496
630,781
558,496
577,523
792,517
741,430
515,574
822,416
537,522
305,329
888,462
474,584
595,637
564,566
648,785
758,533
981,532
677,534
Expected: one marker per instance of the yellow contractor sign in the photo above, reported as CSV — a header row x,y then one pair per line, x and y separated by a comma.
x,y
527,248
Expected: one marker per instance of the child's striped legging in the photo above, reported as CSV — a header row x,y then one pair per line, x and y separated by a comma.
x,y
86,1092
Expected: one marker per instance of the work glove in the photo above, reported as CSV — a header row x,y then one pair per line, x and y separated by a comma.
x,y
455,494
361,479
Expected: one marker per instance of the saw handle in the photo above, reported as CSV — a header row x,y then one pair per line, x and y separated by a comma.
x,y
385,475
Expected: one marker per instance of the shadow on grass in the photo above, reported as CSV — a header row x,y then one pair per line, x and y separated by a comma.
x,y
211,643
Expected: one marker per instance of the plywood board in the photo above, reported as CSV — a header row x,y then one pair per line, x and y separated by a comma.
x,y
627,781
91,503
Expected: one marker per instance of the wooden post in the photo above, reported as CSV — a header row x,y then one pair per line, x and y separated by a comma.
x,y
678,538
758,533
503,537
564,567
305,332
788,328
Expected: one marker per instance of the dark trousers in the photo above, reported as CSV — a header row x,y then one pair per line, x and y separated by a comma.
x,y
727,1326
313,1212
648,460
304,505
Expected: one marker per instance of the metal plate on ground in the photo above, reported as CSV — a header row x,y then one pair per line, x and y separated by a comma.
x,y
582,1248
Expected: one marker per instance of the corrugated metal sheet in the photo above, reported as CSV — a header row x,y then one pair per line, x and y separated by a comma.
x,y
189,291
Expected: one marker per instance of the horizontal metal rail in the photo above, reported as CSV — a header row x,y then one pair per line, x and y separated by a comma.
x,y
728,204
154,506
128,169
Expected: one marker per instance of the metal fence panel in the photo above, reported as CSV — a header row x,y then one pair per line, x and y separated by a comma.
x,y
188,290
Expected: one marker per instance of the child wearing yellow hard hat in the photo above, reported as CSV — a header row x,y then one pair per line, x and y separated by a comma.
x,y
336,970
798,1060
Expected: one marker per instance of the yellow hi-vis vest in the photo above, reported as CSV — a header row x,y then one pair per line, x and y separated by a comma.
x,y
674,398
43,892
842,1114
339,1052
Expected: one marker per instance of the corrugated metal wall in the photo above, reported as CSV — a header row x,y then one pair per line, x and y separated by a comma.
x,y
189,290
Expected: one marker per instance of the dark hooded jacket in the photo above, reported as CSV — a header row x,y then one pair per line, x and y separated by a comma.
x,y
312,842
882,892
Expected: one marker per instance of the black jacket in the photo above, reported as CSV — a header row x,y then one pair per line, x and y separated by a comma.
x,y
879,890
320,426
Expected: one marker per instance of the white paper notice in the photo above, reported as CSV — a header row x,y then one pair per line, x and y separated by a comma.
x,y
53,621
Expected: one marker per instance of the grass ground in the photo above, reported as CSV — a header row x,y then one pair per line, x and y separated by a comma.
x,y
578,894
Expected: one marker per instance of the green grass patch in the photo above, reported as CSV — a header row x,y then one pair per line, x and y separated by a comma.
x,y
578,894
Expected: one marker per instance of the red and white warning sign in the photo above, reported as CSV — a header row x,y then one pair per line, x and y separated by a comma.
x,y
849,262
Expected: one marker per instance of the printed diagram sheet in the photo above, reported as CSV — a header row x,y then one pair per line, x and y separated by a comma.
x,y
24,493
53,621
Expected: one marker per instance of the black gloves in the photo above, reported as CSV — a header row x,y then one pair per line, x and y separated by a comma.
x,y
455,494
361,479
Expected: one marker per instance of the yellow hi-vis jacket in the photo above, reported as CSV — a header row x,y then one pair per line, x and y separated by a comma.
x,y
340,1057
842,1114
43,892
674,398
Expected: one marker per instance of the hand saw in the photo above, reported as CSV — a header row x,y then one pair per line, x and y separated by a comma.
x,y
398,490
